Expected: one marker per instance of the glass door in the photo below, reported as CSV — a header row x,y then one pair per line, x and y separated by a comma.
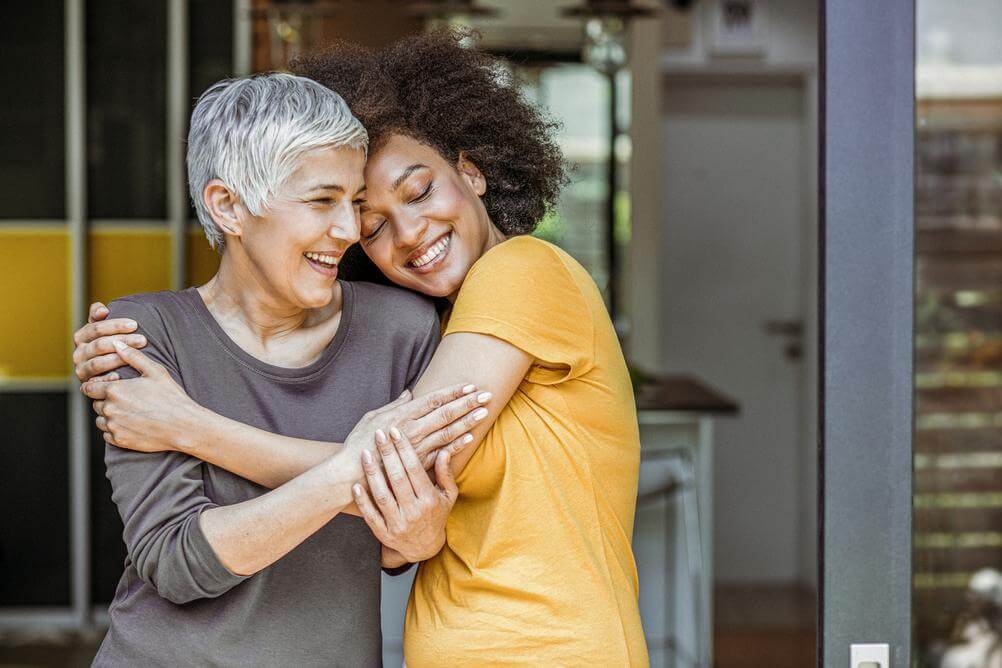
x,y
957,552
911,443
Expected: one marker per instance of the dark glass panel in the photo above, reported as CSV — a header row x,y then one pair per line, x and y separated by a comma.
x,y
107,548
32,144
35,523
126,108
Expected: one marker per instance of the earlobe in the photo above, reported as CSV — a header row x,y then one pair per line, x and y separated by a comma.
x,y
223,206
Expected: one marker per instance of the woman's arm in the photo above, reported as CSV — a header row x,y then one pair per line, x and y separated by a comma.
x,y
154,414
494,365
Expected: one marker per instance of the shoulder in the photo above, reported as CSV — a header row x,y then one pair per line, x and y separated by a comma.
x,y
525,252
149,309
390,307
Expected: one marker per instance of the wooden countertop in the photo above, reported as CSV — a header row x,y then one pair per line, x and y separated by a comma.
x,y
680,393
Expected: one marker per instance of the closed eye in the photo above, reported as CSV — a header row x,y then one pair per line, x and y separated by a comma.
x,y
424,194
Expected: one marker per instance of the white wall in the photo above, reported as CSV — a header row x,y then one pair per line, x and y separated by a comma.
x,y
792,47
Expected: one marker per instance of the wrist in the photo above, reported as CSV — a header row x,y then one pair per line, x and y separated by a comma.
x,y
196,431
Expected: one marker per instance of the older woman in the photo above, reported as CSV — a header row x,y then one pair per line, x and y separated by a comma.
x,y
536,567
218,571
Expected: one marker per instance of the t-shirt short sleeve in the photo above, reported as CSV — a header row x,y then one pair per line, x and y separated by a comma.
x,y
524,291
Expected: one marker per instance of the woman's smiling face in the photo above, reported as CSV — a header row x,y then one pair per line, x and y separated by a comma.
x,y
423,223
295,246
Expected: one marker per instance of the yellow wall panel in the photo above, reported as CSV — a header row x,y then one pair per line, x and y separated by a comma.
x,y
203,262
35,297
125,260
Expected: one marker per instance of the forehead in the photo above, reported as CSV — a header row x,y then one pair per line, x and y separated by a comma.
x,y
330,165
394,156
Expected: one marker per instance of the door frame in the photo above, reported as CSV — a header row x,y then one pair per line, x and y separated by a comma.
x,y
865,310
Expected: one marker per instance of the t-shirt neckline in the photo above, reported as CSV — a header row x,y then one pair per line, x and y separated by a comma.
x,y
194,299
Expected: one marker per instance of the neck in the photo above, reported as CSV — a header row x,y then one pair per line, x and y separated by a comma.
x,y
494,237
243,303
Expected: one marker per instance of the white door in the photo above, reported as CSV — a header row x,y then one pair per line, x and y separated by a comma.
x,y
734,211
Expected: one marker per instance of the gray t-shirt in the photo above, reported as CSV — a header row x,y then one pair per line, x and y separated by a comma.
x,y
176,603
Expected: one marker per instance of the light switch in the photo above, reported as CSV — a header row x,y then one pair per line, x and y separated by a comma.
x,y
870,656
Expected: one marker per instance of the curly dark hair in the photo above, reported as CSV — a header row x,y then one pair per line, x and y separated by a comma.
x,y
432,89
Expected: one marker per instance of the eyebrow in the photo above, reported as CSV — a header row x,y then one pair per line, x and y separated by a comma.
x,y
407,172
327,186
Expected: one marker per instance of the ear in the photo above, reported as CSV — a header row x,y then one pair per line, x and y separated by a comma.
x,y
472,174
224,207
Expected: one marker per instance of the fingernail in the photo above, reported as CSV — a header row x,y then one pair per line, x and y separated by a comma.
x,y
102,309
380,437
113,376
483,397
467,439
367,457
131,323
357,489
395,433
479,414
137,339
119,345
404,394
469,388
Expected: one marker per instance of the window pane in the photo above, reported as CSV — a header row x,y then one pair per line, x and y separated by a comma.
x,y
958,337
107,547
34,343
32,153
34,524
210,53
126,112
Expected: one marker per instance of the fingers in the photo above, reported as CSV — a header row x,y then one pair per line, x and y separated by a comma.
x,y
138,360
412,464
101,422
109,439
449,420
369,512
378,488
428,459
394,467
106,345
98,365
97,311
96,390
95,330
429,402
443,473
98,407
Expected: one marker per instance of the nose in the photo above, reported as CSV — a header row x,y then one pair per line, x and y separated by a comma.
x,y
409,231
346,225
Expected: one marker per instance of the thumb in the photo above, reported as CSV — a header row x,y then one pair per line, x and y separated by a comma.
x,y
443,473
98,311
137,360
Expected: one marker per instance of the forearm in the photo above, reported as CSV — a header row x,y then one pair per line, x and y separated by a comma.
x,y
268,459
252,535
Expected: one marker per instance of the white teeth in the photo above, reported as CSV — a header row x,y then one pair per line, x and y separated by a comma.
x,y
329,260
431,253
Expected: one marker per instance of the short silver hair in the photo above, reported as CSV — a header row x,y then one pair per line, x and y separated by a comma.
x,y
250,132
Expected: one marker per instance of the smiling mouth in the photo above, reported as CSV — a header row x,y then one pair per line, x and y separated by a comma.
x,y
325,263
434,252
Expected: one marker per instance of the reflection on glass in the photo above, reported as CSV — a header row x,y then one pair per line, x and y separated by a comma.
x,y
578,96
957,594
32,153
126,109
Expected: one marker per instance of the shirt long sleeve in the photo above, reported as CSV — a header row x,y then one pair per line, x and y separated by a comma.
x,y
160,497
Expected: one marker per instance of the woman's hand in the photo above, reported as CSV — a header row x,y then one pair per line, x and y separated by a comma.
x,y
147,414
406,510
439,420
94,355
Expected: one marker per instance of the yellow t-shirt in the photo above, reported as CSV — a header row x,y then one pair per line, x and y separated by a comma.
x,y
537,568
